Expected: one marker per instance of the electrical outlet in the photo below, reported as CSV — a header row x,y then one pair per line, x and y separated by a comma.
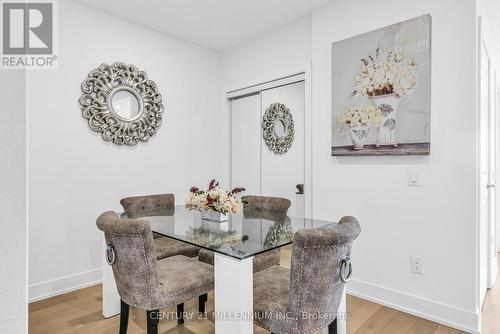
x,y
417,265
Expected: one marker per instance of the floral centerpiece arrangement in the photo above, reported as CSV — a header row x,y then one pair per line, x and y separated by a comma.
x,y
215,203
359,118
384,78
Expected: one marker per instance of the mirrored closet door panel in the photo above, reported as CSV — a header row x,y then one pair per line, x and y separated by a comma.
x,y
263,167
245,143
282,172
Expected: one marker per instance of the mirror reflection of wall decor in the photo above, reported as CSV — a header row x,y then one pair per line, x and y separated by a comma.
x,y
281,231
278,127
121,103
381,91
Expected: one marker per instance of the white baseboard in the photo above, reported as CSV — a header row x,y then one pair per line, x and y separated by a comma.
x,y
424,308
64,285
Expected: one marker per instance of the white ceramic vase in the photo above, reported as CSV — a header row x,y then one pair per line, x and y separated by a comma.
x,y
358,135
214,216
388,105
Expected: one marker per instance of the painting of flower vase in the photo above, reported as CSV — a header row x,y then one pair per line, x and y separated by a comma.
x,y
381,84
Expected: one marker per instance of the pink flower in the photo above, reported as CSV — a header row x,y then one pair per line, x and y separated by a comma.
x,y
213,184
237,190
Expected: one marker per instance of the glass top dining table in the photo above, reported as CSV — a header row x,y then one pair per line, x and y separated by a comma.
x,y
235,243
242,236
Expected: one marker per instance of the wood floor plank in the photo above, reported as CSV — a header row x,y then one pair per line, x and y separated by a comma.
x,y
354,302
378,321
361,315
422,326
400,324
447,330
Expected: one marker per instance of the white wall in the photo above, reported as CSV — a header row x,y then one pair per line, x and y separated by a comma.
x,y
13,308
274,55
437,220
75,175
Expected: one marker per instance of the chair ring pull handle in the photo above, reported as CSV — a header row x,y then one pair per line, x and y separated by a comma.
x,y
345,269
110,254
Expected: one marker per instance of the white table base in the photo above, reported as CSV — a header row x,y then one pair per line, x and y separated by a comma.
x,y
342,322
233,295
110,296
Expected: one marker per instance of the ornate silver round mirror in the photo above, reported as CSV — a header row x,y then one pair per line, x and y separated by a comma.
x,y
278,127
121,103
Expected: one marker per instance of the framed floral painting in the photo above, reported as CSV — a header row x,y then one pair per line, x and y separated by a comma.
x,y
381,91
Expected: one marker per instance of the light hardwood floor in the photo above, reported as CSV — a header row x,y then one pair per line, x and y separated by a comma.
x,y
80,312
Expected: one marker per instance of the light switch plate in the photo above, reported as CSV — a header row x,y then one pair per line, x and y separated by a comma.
x,y
413,178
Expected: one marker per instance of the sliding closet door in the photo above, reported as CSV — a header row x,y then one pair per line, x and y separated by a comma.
x,y
245,143
282,172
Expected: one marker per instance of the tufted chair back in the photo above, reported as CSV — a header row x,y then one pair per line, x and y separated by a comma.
x,y
260,207
140,205
134,266
315,284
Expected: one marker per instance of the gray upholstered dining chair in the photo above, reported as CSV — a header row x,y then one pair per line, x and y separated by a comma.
x,y
258,207
262,206
131,205
163,205
307,297
142,280
142,206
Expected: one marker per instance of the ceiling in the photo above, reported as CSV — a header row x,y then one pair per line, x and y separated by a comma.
x,y
214,24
